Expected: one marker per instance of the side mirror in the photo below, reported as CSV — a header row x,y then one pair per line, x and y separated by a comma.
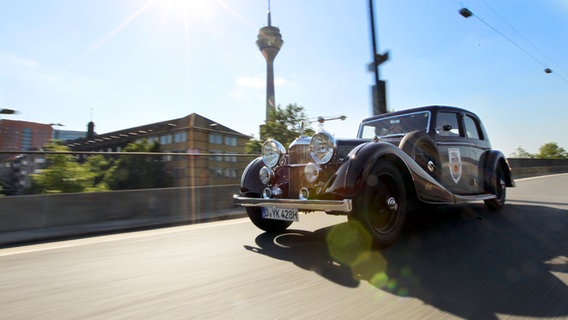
x,y
447,127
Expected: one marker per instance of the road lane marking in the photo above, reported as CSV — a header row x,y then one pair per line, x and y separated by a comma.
x,y
116,237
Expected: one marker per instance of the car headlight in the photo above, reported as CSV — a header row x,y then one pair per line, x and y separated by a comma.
x,y
266,175
322,147
272,152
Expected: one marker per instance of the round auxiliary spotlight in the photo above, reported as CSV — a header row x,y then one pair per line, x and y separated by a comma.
x,y
311,172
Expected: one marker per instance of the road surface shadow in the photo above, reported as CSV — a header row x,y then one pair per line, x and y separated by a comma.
x,y
464,259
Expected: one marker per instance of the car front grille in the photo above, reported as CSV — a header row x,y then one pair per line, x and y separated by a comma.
x,y
300,154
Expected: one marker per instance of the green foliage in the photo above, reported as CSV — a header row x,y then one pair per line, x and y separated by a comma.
x,y
284,126
551,150
521,153
63,174
253,146
98,166
139,171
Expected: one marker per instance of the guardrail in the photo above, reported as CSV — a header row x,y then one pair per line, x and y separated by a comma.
x,y
56,216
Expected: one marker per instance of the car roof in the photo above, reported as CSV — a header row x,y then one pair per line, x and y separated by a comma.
x,y
418,109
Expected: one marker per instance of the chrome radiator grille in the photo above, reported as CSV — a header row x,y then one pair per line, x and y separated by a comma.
x,y
300,154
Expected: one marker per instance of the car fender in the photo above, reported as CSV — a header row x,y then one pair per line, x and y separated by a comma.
x,y
250,180
490,160
353,173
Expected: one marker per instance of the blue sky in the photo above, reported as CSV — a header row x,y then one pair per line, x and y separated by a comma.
x,y
132,62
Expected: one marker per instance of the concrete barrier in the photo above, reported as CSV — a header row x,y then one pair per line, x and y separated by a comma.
x,y
524,168
41,217
56,216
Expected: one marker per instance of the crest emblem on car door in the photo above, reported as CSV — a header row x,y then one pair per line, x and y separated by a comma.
x,y
455,164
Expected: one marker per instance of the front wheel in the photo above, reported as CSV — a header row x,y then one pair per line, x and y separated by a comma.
x,y
382,206
268,225
498,187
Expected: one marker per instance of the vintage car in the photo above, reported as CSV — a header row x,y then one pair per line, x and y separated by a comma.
x,y
399,161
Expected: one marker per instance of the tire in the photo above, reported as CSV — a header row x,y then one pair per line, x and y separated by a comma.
x,y
497,187
268,225
382,206
422,149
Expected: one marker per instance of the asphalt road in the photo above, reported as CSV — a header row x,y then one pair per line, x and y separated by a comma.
x,y
451,262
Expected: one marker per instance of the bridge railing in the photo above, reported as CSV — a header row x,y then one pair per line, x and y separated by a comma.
x,y
18,168
27,218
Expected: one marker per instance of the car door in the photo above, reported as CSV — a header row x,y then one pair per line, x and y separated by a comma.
x,y
455,155
478,144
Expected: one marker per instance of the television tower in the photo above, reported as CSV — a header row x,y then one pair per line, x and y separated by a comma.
x,y
269,41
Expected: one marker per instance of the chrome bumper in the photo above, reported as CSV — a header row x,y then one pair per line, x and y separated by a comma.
x,y
307,205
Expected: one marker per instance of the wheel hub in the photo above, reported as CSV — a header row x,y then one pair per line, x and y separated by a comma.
x,y
392,204
431,166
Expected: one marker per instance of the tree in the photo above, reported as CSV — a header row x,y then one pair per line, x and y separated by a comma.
x,y
139,171
551,150
284,126
253,146
98,166
521,153
63,174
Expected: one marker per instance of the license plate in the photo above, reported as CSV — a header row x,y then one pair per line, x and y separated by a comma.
x,y
280,214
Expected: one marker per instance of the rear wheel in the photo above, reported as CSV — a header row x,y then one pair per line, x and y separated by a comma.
x,y
382,206
269,225
498,187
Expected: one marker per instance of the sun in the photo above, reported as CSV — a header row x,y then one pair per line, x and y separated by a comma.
x,y
190,10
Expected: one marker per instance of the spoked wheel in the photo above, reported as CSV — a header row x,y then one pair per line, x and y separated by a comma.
x,y
499,188
268,225
381,208
420,147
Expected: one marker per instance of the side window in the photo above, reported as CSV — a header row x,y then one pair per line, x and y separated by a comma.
x,y
447,124
472,128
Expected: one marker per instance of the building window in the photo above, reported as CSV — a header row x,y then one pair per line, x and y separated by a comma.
x,y
215,138
216,158
180,137
230,158
231,173
231,141
217,172
27,137
166,139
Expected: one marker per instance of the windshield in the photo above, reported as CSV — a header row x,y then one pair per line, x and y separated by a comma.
x,y
395,126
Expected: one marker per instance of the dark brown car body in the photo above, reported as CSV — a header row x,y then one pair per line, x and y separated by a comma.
x,y
400,160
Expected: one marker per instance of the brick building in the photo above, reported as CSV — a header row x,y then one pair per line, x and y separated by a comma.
x,y
191,134
23,135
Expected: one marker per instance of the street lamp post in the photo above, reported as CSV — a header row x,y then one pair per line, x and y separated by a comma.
x,y
379,95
